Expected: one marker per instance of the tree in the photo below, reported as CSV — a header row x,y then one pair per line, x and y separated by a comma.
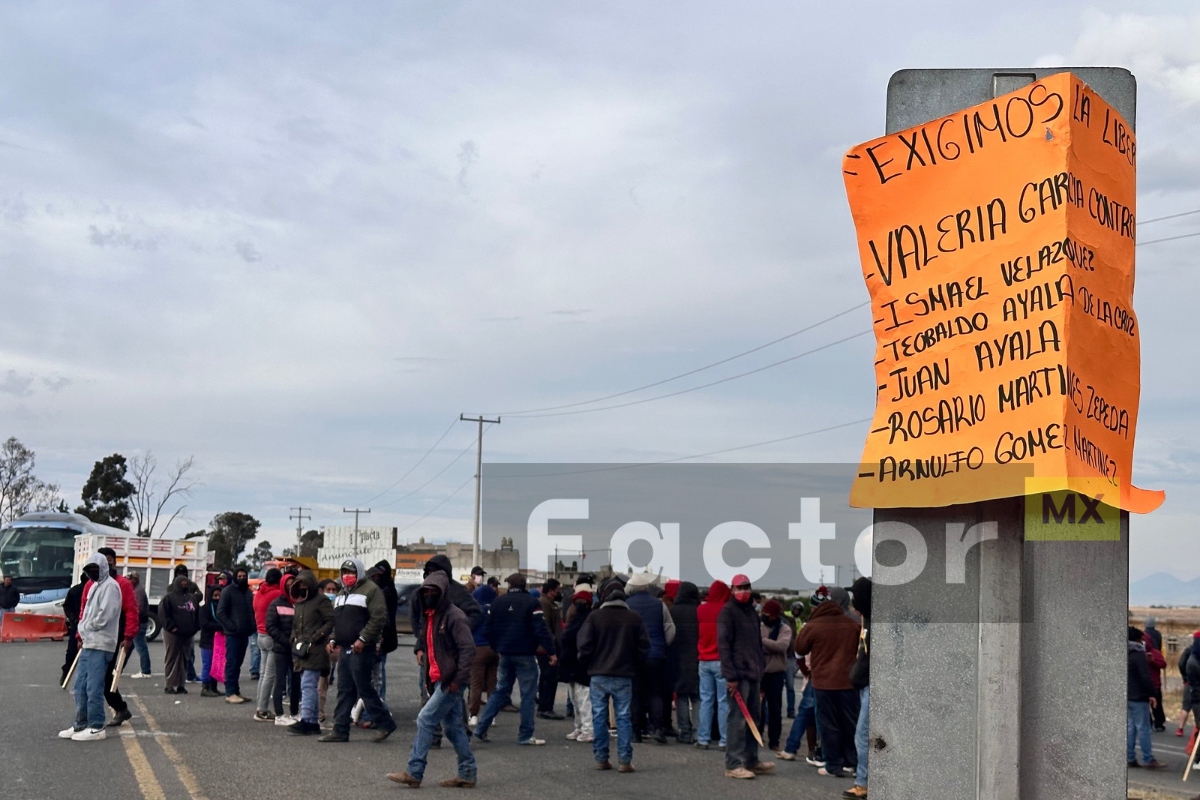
x,y
309,543
106,493
20,490
262,553
228,535
150,499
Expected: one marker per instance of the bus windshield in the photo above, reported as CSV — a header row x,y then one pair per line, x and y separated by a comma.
x,y
38,557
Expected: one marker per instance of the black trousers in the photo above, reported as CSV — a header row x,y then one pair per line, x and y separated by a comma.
x,y
547,684
648,696
772,711
72,651
837,712
741,748
1157,715
114,699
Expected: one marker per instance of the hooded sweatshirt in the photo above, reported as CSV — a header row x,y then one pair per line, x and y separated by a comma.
x,y
613,641
236,610
100,621
653,612
386,582
312,623
1140,686
862,604
262,600
831,637
684,669
485,595
280,615
458,595
706,615
445,636
210,626
178,611
359,612
739,642
570,668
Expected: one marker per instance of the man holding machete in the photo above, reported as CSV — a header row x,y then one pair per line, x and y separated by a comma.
x,y
739,643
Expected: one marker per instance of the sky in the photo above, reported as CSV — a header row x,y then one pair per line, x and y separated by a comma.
x,y
295,242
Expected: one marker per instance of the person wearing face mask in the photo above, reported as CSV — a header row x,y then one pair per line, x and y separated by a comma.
x,y
236,613
739,642
71,609
99,628
180,619
330,588
830,640
446,640
211,636
777,646
359,615
126,630
312,624
573,671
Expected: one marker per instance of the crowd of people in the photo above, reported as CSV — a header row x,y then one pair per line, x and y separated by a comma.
x,y
1145,712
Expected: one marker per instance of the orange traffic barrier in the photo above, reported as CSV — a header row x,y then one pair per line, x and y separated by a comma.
x,y
32,627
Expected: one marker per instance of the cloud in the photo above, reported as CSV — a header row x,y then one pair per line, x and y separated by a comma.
x,y
248,252
570,312
16,384
115,238
468,154
56,383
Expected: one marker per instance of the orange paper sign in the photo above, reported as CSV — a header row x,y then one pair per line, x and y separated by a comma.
x,y
998,248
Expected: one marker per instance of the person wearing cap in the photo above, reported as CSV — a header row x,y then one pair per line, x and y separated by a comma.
x,y
613,643
739,642
1139,699
516,628
486,662
477,579
777,647
830,639
651,682
359,615
267,591
572,670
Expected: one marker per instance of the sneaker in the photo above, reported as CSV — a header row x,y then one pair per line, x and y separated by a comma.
x,y
235,698
140,675
603,765
855,792
1154,764
405,778
573,735
181,690
784,755
170,690
381,734
511,709
763,768
829,774
192,679
253,676
1179,732
660,737
333,737
207,692
457,783
480,737
67,733
90,735
473,722
586,738
550,715
741,773
284,719
118,718
626,767
815,760
303,728
701,745
1133,765
534,742
263,716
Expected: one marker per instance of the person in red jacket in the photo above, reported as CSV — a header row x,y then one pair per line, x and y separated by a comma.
x,y
712,685
1157,665
125,633
267,592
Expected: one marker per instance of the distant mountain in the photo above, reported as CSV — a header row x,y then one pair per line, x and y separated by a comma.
x,y
1161,589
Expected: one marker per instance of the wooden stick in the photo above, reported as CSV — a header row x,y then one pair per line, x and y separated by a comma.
x,y
737,695
1195,749
75,663
122,654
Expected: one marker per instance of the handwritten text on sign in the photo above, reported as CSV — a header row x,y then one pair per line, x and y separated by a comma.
x,y
998,248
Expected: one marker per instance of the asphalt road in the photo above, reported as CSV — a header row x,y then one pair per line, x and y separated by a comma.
x,y
205,749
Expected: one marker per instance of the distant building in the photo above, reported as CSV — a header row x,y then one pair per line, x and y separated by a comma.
x,y
501,562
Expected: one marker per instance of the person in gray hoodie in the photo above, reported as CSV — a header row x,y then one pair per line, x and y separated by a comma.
x,y
98,632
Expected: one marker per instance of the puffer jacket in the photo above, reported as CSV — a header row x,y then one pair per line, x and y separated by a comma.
x,y
280,615
359,612
739,642
236,611
685,650
776,643
178,612
312,622
453,643
570,668
484,596
386,581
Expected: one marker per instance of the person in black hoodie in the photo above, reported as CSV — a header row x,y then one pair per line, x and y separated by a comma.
x,y
860,679
573,671
683,659
179,616
210,629
381,575
236,613
1140,697
71,611
280,615
739,642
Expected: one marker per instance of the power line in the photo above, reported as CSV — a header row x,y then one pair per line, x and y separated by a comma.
x,y
693,371
1170,238
431,480
445,500
414,466
701,386
1168,216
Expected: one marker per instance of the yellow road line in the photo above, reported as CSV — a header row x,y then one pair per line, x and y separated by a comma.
x,y
149,785
186,776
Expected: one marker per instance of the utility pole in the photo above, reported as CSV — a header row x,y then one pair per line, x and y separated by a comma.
x,y
478,479
356,512
299,516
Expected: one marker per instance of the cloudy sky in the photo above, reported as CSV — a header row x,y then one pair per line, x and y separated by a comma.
x,y
297,242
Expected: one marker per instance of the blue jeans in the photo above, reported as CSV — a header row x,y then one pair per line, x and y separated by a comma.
x,y
89,688
860,736
139,644
806,715
512,670
790,686
255,659
443,708
712,687
620,690
206,654
310,680
235,655
1137,730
